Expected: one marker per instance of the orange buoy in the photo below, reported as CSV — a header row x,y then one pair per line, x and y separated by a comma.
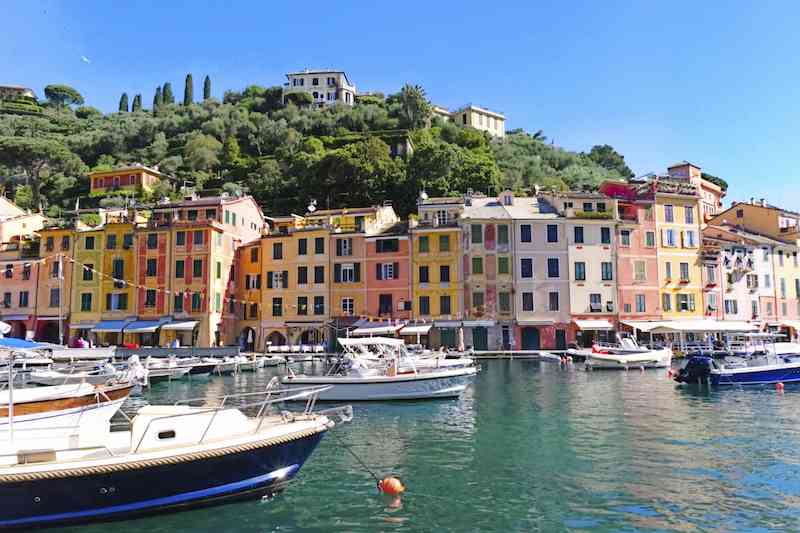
x,y
779,386
391,485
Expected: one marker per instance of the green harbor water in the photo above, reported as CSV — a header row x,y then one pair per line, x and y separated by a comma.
x,y
532,447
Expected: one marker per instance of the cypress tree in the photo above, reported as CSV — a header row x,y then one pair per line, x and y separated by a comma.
x,y
188,91
157,99
123,103
137,103
206,88
166,94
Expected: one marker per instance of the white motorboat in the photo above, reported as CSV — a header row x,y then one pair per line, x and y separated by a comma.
x,y
273,360
355,378
623,356
97,376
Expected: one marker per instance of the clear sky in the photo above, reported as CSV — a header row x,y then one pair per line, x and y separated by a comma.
x,y
715,83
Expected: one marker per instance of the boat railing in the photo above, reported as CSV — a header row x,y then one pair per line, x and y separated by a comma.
x,y
271,396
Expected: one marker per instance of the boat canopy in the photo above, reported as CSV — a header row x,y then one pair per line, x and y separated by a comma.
x,y
376,328
11,342
110,326
594,324
370,341
690,326
184,325
416,329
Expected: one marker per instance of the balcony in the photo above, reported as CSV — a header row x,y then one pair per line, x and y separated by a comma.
x,y
589,215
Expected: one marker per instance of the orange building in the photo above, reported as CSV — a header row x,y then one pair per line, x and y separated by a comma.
x,y
19,272
131,179
53,291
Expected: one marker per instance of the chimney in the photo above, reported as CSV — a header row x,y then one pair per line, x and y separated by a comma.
x,y
763,202
752,201
468,197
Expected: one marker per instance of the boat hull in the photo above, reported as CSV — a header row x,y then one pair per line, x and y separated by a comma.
x,y
757,376
447,384
655,359
76,496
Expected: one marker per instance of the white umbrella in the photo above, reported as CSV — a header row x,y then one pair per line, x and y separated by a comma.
x,y
461,346
249,336
5,328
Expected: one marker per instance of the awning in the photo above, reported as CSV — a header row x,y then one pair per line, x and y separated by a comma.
x,y
594,324
419,329
144,326
372,341
376,330
110,326
185,325
478,323
304,324
11,342
16,317
46,318
447,324
693,326
82,326
536,322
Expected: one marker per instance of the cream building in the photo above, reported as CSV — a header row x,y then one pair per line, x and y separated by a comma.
x,y
16,223
481,119
326,87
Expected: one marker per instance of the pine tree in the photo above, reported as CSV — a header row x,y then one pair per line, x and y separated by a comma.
x,y
207,88
166,94
157,99
188,91
123,103
137,103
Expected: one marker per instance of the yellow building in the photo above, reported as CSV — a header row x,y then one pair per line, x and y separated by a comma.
x,y
247,301
53,292
678,221
133,179
86,300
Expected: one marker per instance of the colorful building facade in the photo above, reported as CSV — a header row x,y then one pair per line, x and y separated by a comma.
x,y
134,179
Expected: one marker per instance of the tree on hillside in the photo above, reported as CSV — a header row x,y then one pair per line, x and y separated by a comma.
x,y
206,88
415,110
188,90
137,103
158,99
300,99
37,158
166,94
608,158
63,95
123,103
201,152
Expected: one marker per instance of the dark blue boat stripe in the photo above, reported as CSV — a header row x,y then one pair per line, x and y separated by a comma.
x,y
166,500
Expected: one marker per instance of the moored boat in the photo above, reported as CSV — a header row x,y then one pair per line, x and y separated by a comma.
x,y
624,355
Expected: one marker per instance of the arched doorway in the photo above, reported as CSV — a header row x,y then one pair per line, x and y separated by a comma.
x,y
18,330
247,339
276,338
311,336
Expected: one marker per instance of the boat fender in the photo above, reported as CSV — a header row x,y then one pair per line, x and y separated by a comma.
x,y
779,386
391,485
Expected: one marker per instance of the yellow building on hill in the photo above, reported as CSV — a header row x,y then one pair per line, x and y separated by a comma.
x,y
132,179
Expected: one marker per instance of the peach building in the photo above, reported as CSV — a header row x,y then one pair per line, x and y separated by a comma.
x,y
19,272
132,179
388,274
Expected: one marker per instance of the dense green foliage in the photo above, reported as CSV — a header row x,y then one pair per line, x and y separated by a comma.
x,y
716,180
62,95
284,155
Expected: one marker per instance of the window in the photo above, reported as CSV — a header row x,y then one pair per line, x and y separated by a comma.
x,y
150,298
797,288
347,306
197,237
177,303
180,238
9,272
26,271
424,244
477,265
504,302
601,207
55,297
277,250
731,307
552,233
527,301
302,305
606,271
502,234
23,299
684,302
423,274
666,302
277,306
88,243
444,273
444,305
588,207
424,305
387,245
477,300
595,303
689,214
344,247
211,214
384,304
754,308
319,274
668,270
197,302
526,267
752,281
669,216
689,239
444,243
640,303
769,308
580,271
625,238
111,242
152,241
765,252
784,308
552,301
6,299
767,281
197,268
347,273
152,265
254,255
387,271
127,241
86,301
669,237
578,234
503,264
780,257
302,247
319,245
684,271
605,235
650,239
191,214
219,270
476,234
65,242
525,233
49,244
783,288
552,267
302,275
179,264
639,271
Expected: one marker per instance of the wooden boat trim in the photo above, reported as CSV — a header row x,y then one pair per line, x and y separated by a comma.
x,y
97,396
169,460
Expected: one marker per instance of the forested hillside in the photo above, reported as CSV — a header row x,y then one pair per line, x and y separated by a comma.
x,y
284,155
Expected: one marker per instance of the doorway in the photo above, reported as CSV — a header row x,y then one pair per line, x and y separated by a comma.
x,y
480,339
530,339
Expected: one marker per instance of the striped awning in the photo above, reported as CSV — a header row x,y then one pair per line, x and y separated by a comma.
x,y
110,326
183,325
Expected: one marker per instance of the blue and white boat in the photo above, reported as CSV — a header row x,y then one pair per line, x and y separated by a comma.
x,y
172,458
764,362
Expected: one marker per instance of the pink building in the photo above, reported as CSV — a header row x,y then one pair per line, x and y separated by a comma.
x,y
637,264
388,269
18,275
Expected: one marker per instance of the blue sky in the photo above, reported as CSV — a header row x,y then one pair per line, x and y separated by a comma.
x,y
711,82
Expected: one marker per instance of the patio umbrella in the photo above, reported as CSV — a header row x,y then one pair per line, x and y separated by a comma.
x,y
461,346
249,336
5,328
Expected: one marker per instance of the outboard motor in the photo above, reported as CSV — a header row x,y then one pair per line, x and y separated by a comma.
x,y
696,370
